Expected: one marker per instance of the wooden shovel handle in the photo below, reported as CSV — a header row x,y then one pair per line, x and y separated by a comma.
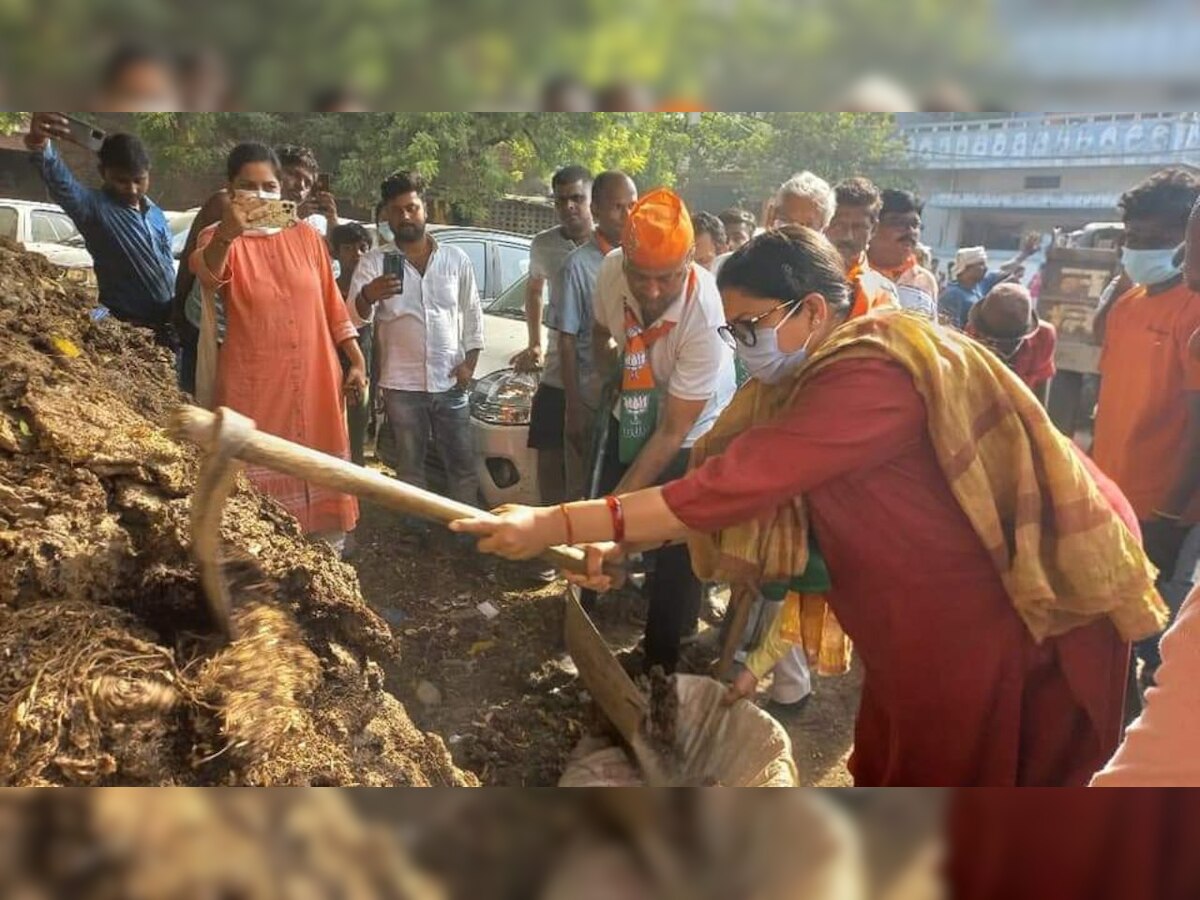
x,y
203,428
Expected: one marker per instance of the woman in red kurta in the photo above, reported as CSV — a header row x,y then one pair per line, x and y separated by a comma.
x,y
286,321
956,690
1076,844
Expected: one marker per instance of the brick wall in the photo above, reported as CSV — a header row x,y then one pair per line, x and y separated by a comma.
x,y
520,215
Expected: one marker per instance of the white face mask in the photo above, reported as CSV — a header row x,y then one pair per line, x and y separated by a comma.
x,y
1150,267
261,195
765,360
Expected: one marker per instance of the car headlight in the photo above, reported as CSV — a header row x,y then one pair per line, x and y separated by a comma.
x,y
504,398
85,276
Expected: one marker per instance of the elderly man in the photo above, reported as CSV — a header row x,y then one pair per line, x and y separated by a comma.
x,y
804,199
657,314
1006,322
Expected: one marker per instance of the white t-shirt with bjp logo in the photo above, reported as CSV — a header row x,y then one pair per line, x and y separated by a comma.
x,y
690,362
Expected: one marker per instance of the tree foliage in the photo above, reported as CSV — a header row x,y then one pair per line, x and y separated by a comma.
x,y
471,158
11,121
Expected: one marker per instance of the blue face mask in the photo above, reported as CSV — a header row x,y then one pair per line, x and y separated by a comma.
x,y
765,361
1150,266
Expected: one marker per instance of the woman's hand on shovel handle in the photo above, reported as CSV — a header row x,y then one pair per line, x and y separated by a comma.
x,y
596,579
514,532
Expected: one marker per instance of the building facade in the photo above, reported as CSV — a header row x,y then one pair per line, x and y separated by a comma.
x,y
988,180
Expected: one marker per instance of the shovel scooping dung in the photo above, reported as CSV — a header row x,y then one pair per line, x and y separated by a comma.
x,y
226,437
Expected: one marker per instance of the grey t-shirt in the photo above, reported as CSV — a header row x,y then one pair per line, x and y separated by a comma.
x,y
577,286
547,253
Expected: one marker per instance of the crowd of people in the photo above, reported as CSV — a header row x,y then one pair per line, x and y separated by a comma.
x,y
794,404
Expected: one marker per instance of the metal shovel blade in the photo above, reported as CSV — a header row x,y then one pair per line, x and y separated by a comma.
x,y
613,690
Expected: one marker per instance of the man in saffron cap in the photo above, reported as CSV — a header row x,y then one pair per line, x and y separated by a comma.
x,y
657,314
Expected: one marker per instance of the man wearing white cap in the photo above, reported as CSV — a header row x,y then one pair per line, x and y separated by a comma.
x,y
972,280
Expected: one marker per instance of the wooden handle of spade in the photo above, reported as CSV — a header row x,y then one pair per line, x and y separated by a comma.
x,y
203,428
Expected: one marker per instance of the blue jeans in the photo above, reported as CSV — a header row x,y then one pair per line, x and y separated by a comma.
x,y
414,416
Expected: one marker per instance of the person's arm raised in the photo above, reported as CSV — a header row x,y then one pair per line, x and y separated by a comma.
x,y
64,188
237,214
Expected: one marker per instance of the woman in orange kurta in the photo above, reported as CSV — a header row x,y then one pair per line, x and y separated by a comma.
x,y
285,323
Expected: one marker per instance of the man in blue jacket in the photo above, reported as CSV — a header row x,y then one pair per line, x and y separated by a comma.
x,y
124,231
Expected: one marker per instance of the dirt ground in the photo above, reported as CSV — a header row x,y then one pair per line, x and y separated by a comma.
x,y
501,691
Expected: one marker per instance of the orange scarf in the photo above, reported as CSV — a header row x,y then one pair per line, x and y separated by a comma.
x,y
895,273
638,411
868,294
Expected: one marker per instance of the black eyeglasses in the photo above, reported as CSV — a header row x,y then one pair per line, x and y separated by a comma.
x,y
744,331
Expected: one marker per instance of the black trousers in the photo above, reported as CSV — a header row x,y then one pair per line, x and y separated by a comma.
x,y
672,589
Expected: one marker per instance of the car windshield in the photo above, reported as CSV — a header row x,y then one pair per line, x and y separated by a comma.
x,y
511,303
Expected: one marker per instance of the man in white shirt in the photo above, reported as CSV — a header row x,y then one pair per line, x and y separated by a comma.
x,y
429,325
894,250
677,376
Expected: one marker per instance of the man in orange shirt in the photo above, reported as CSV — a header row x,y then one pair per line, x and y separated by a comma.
x,y
853,226
1148,420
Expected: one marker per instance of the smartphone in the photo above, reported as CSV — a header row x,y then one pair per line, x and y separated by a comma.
x,y
85,135
279,214
393,264
324,183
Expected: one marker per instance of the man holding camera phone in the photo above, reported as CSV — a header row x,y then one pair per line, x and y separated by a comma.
x,y
422,298
123,229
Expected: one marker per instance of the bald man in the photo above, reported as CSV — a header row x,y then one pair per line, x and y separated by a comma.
x,y
1006,322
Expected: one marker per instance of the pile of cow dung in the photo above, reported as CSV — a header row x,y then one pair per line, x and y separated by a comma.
x,y
110,672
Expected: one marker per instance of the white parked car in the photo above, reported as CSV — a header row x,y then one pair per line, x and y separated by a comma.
x,y
180,224
45,229
501,400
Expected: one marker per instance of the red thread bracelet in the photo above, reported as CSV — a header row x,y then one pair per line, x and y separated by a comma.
x,y
562,508
618,517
